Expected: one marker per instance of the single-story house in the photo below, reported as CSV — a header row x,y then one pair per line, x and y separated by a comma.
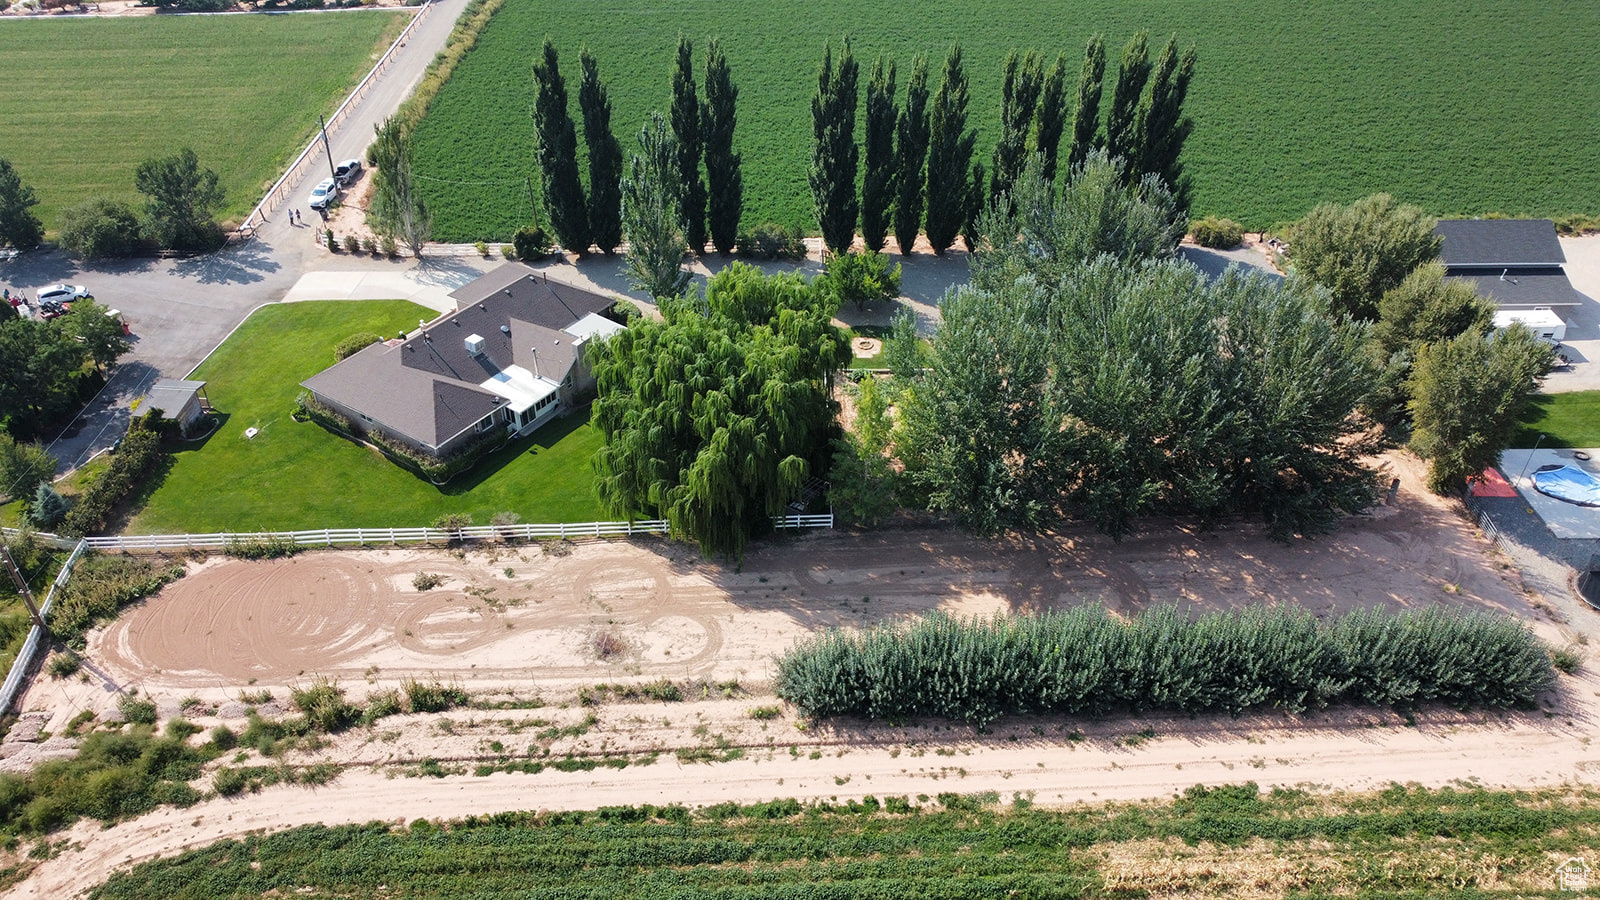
x,y
183,402
1517,263
510,356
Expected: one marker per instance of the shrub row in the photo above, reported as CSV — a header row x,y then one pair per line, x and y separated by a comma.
x,y
437,471
139,456
1085,662
770,241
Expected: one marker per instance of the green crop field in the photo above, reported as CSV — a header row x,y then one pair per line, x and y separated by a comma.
x,y
1228,841
1464,108
86,100
295,475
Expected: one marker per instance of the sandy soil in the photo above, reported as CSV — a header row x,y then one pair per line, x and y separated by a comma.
x,y
531,631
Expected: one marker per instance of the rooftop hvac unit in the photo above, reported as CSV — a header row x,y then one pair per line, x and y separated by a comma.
x,y
474,344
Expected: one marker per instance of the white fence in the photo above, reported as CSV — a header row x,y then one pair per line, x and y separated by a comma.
x,y
17,677
291,175
361,537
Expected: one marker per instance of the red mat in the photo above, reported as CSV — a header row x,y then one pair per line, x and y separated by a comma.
x,y
1492,484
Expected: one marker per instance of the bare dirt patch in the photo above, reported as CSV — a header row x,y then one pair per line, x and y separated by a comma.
x,y
540,629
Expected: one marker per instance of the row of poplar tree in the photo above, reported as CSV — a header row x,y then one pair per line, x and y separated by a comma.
x,y
917,158
709,207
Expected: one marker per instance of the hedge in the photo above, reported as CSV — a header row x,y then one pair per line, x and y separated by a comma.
x,y
1086,662
138,457
437,471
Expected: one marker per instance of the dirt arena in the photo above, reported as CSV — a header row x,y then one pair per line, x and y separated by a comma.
x,y
534,616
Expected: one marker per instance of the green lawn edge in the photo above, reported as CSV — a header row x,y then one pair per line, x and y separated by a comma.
x,y
297,476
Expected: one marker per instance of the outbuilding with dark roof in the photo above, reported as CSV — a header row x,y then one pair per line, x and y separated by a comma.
x,y
1517,263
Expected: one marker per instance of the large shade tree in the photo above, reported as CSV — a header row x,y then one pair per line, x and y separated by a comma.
x,y
1362,250
715,417
1467,394
1128,390
182,200
19,227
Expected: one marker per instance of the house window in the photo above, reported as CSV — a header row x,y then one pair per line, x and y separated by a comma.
x,y
486,423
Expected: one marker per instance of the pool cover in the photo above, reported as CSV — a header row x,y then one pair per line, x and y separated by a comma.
x,y
1569,484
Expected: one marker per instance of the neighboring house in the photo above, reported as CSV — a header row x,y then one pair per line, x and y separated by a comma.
x,y
1517,263
510,357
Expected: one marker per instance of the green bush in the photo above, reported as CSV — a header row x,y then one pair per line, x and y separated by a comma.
x,y
381,704
64,664
369,245
324,706
860,278
331,241
99,587
1218,234
100,228
228,781
432,696
1086,662
482,248
352,243
139,712
223,738
771,241
390,248
531,244
437,471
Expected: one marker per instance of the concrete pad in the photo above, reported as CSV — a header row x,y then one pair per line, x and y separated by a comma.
x,y
1565,520
430,289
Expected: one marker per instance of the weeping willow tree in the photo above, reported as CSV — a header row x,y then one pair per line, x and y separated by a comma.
x,y
715,417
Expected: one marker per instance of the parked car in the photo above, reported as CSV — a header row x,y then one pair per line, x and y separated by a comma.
x,y
326,191
347,171
56,294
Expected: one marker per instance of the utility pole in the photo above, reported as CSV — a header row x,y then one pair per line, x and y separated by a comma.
x,y
329,150
22,586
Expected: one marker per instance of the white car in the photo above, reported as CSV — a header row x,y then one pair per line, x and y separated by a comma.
x,y
326,191
62,293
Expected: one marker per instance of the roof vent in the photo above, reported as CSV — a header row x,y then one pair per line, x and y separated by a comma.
x,y
409,347
474,344
481,306
505,330
455,321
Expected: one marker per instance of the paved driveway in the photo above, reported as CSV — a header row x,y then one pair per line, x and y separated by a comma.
x,y
1583,326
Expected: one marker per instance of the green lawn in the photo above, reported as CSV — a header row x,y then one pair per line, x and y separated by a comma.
x,y
86,100
1464,108
1565,420
294,475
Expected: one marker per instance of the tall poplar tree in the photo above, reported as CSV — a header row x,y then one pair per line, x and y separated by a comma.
x,y
19,227
1122,127
877,182
1052,116
950,145
910,157
558,156
834,154
686,128
650,196
1086,115
1019,96
724,177
1163,126
605,158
